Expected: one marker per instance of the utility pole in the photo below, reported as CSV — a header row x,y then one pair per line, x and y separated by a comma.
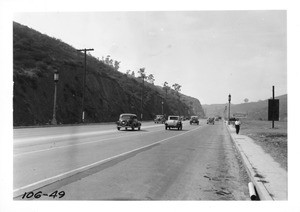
x,y
84,79
143,76
273,92
142,98
162,107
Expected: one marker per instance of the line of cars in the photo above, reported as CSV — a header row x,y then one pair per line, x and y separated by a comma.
x,y
130,121
211,120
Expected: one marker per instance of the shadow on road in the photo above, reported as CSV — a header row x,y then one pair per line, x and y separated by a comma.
x,y
129,130
183,130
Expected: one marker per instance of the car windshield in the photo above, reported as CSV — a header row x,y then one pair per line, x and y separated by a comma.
x,y
127,117
173,118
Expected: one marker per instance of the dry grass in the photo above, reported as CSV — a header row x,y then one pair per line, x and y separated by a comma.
x,y
272,140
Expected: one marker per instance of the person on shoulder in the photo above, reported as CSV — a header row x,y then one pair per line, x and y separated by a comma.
x,y
237,124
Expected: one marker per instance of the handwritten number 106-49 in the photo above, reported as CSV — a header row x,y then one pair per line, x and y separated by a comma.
x,y
39,194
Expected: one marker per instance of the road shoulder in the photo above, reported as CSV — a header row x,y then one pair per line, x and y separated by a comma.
x,y
269,178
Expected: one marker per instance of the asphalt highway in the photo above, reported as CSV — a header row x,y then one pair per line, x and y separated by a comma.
x,y
98,162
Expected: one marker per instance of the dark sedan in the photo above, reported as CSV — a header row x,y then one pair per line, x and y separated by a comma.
x,y
128,120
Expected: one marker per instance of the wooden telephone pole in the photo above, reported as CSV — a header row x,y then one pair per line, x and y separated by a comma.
x,y
84,79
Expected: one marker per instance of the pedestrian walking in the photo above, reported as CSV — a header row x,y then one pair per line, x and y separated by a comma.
x,y
237,124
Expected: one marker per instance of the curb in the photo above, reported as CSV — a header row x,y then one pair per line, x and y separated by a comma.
x,y
261,190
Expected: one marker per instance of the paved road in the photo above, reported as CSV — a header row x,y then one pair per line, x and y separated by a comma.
x,y
98,162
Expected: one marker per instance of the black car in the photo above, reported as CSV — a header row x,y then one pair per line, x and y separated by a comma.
x,y
128,120
211,121
194,120
159,119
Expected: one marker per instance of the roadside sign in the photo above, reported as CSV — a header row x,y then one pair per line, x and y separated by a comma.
x,y
273,110
240,115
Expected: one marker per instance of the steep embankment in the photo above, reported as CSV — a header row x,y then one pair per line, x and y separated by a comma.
x,y
108,92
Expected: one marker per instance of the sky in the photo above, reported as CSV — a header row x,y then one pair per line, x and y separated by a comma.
x,y
211,54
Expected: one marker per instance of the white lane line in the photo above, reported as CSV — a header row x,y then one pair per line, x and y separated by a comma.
x,y
65,136
83,143
83,168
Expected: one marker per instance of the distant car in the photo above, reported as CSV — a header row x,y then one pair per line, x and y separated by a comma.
x,y
194,120
128,120
173,122
159,119
232,120
211,121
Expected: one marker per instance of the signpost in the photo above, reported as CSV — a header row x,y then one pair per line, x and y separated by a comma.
x,y
273,109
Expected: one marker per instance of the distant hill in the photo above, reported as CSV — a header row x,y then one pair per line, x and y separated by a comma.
x,y
255,110
108,92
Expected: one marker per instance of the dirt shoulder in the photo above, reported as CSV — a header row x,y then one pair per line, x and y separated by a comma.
x,y
273,141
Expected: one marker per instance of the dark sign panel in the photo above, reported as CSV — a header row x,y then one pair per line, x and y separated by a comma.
x,y
273,111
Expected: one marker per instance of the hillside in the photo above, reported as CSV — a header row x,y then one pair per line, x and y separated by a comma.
x,y
255,110
108,92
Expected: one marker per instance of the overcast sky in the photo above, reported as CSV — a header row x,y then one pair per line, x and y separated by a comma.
x,y
209,53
